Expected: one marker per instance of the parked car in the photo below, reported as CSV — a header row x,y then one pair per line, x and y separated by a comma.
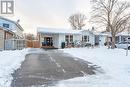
x,y
123,45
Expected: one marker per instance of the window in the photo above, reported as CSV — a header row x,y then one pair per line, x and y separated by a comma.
x,y
88,38
71,38
85,38
82,38
5,25
67,38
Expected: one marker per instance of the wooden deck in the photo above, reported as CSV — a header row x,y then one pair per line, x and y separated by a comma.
x,y
48,47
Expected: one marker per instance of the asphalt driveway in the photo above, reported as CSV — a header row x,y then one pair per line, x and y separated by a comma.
x,y
48,67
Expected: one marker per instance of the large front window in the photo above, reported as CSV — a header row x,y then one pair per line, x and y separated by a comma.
x,y
69,38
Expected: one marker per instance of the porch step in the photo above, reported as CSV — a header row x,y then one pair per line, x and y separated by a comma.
x,y
48,47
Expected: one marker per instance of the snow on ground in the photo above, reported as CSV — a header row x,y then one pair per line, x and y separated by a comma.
x,y
114,62
10,61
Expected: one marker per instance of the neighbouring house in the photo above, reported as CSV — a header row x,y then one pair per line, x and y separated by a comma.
x,y
105,37
122,37
88,37
11,35
50,37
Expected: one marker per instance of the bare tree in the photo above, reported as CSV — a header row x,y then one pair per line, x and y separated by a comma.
x,y
77,21
112,14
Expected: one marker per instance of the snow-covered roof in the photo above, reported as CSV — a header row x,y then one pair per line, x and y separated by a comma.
x,y
123,34
58,31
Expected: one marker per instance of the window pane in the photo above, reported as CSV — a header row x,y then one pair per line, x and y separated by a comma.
x,y
71,38
88,38
67,38
6,25
85,38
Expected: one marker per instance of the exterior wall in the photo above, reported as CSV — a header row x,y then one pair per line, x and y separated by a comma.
x,y
77,37
1,39
91,36
55,38
18,33
8,35
92,39
61,39
12,27
102,40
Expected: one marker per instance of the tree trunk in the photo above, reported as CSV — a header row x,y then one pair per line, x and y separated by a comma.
x,y
113,42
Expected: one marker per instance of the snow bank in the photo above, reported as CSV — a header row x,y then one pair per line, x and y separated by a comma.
x,y
10,61
113,61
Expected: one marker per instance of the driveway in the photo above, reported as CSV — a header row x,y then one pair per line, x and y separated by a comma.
x,y
48,67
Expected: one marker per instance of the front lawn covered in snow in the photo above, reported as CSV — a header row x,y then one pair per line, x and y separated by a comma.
x,y
10,61
114,62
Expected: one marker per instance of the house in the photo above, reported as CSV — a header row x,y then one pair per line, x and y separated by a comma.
x,y
88,37
11,34
123,37
50,37
106,37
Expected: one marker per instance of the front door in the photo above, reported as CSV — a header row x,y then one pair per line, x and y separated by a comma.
x,y
48,41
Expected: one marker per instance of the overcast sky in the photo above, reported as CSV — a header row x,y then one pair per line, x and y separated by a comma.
x,y
48,13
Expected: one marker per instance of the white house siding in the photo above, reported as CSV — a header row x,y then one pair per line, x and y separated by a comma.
x,y
92,39
58,36
61,39
55,39
77,37
91,36
102,40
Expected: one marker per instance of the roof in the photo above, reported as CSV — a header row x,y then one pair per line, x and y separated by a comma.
x,y
123,34
58,31
16,23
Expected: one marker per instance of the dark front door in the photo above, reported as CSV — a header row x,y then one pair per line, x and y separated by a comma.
x,y
48,41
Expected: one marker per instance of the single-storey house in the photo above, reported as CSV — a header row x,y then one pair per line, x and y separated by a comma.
x,y
106,37
11,34
122,37
50,37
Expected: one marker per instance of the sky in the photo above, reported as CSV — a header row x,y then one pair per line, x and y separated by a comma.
x,y
49,13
